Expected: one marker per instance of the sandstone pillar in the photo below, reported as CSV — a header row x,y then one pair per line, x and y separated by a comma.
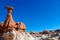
x,y
9,22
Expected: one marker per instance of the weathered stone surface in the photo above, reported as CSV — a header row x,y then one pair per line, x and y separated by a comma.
x,y
10,24
20,27
9,20
15,35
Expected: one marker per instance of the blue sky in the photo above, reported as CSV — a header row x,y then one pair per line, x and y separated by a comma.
x,y
38,15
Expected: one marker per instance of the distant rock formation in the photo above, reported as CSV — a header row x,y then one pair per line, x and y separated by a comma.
x,y
10,24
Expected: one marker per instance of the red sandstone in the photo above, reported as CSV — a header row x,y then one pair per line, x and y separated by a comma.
x,y
10,24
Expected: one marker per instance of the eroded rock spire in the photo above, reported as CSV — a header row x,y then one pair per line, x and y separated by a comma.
x,y
9,20
9,23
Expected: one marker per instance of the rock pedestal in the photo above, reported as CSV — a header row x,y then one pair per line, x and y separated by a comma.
x,y
10,24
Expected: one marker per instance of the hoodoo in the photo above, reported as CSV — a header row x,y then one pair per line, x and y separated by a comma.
x,y
9,20
10,24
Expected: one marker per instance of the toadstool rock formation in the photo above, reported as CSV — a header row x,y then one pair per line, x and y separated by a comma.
x,y
10,24
11,30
